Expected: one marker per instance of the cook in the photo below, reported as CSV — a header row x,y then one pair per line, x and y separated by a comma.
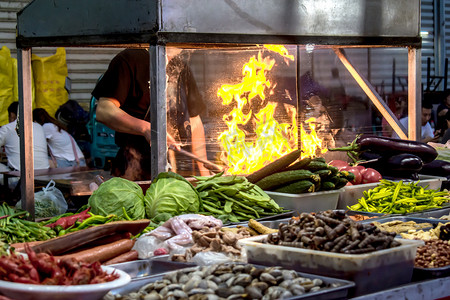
x,y
124,98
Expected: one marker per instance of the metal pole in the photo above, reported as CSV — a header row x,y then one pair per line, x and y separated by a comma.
x,y
158,109
371,92
414,94
26,131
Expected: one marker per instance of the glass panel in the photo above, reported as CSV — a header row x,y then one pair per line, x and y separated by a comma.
x,y
257,104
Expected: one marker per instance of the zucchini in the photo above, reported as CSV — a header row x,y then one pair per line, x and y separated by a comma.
x,y
299,187
301,164
327,185
273,181
274,167
316,165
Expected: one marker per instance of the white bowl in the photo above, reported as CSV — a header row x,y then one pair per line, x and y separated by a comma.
x,y
20,291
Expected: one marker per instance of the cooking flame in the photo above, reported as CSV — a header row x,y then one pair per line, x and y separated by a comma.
x,y
254,139
311,143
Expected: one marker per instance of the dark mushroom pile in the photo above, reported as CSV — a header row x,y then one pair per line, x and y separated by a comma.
x,y
332,231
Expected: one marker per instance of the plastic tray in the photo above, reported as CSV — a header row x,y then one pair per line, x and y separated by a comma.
x,y
371,271
339,292
428,273
349,195
308,202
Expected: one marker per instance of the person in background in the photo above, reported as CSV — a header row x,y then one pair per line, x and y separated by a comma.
x,y
12,111
441,111
62,147
123,105
11,141
427,133
446,133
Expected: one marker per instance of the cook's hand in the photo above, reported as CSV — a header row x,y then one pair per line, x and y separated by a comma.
x,y
171,143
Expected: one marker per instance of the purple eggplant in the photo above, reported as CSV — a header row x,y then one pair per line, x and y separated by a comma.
x,y
389,146
372,146
436,168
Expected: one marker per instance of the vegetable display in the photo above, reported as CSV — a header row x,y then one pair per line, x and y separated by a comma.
x,y
69,220
234,198
115,194
400,198
331,231
45,269
393,158
169,195
361,174
306,175
15,229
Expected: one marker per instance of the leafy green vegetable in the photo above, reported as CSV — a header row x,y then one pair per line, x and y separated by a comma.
x,y
115,194
169,195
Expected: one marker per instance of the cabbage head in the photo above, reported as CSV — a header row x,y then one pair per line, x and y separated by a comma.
x,y
169,195
115,194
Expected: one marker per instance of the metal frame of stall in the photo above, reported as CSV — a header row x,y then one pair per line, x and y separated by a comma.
x,y
213,23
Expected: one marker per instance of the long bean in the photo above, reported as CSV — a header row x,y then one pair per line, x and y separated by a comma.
x,y
234,198
400,198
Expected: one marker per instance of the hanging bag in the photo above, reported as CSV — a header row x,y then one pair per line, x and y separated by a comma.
x,y
49,202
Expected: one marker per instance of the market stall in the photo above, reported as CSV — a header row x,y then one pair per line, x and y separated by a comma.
x,y
274,228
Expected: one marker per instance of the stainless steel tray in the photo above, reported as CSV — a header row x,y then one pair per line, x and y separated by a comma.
x,y
435,213
268,218
409,218
431,213
148,267
339,292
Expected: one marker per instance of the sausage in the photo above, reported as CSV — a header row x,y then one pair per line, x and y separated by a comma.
x,y
102,253
127,256
109,239
20,247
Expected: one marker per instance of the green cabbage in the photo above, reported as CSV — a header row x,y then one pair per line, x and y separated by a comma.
x,y
115,194
170,194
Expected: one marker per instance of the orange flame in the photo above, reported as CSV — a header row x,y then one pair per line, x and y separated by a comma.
x,y
311,143
244,151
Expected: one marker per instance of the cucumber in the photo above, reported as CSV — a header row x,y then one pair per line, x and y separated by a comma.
x,y
333,169
323,173
301,164
275,180
327,185
316,165
319,159
299,187
347,175
340,183
334,178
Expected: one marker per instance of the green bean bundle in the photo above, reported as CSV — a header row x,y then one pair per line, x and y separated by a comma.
x,y
391,197
15,229
234,199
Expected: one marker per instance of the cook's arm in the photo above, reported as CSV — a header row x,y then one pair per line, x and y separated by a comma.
x,y
199,143
109,113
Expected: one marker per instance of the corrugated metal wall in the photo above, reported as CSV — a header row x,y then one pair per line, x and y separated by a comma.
x,y
85,65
